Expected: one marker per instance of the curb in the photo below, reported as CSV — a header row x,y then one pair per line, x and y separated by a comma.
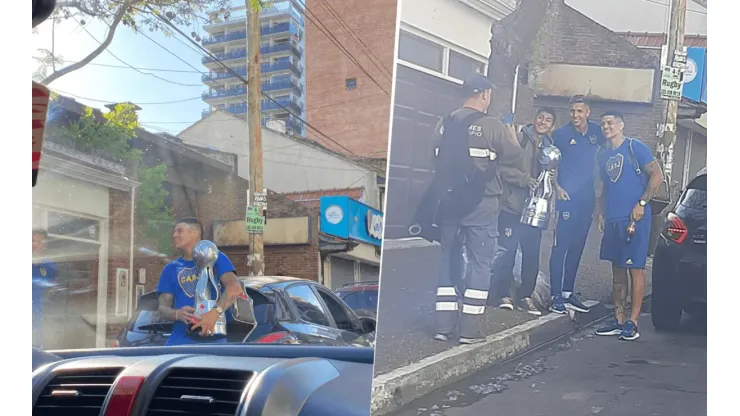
x,y
404,243
401,386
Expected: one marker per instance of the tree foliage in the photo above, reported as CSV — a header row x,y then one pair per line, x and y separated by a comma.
x,y
138,15
112,136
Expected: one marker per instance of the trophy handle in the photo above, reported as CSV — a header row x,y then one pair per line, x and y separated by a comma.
x,y
214,282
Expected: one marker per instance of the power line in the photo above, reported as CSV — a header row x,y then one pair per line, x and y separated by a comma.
x,y
324,167
344,25
241,78
130,66
112,102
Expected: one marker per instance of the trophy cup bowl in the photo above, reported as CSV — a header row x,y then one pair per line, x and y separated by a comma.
x,y
550,158
536,212
205,254
207,293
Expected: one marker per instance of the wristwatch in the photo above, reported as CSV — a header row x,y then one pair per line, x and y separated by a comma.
x,y
219,309
643,202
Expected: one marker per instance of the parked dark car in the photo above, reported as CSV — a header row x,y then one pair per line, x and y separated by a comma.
x,y
288,310
362,297
680,260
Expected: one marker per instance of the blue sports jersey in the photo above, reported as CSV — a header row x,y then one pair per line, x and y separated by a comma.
x,y
179,278
623,187
576,168
43,275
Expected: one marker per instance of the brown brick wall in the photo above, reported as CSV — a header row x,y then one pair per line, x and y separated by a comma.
x,y
570,37
358,118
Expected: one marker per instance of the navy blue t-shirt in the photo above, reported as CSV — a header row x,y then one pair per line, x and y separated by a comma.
x,y
623,187
576,168
44,274
179,278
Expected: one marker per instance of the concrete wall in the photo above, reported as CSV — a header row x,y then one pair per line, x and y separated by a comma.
x,y
446,19
289,164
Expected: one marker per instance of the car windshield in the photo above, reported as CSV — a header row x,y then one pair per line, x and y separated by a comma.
x,y
147,150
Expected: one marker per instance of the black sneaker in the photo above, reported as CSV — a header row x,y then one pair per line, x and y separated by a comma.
x,y
629,332
611,328
573,303
557,305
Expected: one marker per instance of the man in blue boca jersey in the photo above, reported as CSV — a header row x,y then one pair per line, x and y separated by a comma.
x,y
177,288
44,273
629,176
578,142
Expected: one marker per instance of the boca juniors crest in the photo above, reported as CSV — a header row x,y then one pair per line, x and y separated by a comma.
x,y
187,278
614,167
592,139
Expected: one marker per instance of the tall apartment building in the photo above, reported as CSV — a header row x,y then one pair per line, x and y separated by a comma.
x,y
283,62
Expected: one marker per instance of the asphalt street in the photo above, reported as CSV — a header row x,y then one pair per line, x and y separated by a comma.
x,y
661,374
407,296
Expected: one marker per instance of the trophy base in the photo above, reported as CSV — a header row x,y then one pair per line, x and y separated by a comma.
x,y
536,213
203,307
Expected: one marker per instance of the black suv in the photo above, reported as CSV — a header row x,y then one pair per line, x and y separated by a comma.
x,y
680,261
362,297
288,310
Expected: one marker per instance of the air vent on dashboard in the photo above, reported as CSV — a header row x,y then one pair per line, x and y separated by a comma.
x,y
199,391
76,392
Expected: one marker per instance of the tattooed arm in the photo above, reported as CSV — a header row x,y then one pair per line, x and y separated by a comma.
x,y
232,290
166,310
656,179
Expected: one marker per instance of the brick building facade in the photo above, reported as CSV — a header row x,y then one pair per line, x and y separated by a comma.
x,y
341,100
542,33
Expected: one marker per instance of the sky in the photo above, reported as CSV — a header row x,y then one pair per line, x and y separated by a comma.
x,y
109,84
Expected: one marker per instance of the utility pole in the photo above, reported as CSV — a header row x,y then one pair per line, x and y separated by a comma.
x,y
675,42
254,80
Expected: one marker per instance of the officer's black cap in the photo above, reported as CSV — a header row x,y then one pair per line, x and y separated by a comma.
x,y
476,83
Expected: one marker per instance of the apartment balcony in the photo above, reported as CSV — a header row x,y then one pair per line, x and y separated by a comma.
x,y
214,78
288,85
224,93
237,36
270,86
282,66
291,47
238,18
291,104
225,57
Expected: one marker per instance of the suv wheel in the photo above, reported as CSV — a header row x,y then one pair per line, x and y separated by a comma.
x,y
665,313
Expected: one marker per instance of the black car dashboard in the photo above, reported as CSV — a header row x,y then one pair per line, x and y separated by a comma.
x,y
224,380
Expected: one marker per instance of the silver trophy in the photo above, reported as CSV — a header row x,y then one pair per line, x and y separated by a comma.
x,y
207,291
537,206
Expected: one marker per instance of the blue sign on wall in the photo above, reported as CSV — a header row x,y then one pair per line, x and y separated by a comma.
x,y
695,77
343,217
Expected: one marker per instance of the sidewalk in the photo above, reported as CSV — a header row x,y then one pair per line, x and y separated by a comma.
x,y
409,363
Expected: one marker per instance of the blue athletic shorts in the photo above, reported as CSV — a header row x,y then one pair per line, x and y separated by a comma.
x,y
616,249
